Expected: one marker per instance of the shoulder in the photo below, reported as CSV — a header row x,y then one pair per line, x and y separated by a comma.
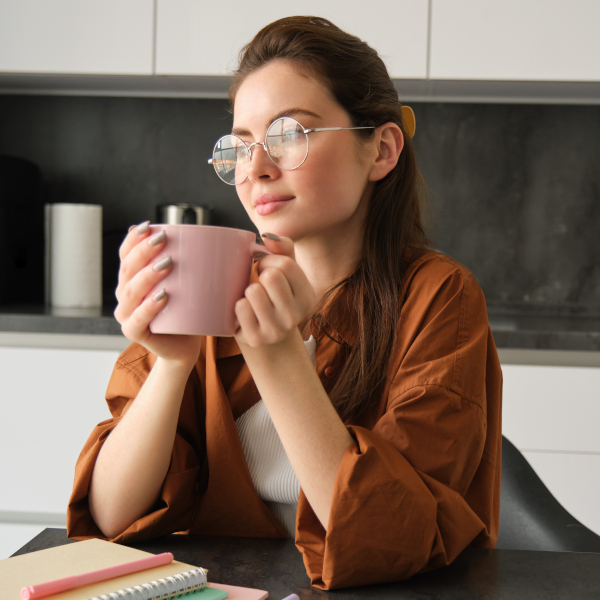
x,y
439,281
434,272
443,332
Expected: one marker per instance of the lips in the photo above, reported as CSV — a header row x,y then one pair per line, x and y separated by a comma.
x,y
265,204
268,198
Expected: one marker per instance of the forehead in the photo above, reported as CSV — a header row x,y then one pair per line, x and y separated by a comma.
x,y
276,87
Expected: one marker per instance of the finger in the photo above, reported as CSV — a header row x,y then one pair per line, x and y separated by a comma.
x,y
295,276
279,245
134,236
139,256
135,327
280,294
248,323
273,325
261,304
131,294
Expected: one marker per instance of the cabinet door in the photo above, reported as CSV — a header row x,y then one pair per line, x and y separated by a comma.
x,y
552,415
50,400
536,40
574,480
204,38
552,408
71,36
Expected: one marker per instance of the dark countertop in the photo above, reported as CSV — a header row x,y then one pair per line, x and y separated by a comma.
x,y
512,327
477,574
545,328
46,319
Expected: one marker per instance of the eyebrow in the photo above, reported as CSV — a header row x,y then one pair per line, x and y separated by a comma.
x,y
288,112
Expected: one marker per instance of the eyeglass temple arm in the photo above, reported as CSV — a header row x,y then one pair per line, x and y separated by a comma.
x,y
334,128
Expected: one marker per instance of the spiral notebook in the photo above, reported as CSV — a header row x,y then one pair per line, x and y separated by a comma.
x,y
90,555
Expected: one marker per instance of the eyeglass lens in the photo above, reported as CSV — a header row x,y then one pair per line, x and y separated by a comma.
x,y
287,146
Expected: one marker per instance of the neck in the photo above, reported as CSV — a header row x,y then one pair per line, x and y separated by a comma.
x,y
327,259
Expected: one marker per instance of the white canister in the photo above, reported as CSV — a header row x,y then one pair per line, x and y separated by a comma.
x,y
74,255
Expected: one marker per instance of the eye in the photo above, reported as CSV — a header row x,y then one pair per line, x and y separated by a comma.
x,y
290,133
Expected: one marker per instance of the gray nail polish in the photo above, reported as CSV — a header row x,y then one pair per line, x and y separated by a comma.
x,y
157,238
160,295
271,236
131,228
142,227
163,264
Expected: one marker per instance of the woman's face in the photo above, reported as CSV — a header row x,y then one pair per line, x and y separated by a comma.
x,y
330,191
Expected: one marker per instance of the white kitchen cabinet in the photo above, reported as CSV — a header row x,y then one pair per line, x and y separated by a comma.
x,y
552,408
532,40
50,400
204,38
574,480
71,36
552,414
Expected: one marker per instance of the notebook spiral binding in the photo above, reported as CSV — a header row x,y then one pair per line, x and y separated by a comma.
x,y
175,586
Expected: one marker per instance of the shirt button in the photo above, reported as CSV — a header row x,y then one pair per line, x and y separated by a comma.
x,y
329,371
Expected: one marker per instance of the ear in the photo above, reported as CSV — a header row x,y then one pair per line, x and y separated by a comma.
x,y
389,142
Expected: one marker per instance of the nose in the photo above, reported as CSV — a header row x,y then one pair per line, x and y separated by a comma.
x,y
260,164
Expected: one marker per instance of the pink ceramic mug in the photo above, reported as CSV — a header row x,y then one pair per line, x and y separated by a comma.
x,y
211,270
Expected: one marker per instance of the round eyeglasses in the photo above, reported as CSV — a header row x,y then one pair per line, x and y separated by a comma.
x,y
286,144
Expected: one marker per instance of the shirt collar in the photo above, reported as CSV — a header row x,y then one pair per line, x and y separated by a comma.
x,y
337,319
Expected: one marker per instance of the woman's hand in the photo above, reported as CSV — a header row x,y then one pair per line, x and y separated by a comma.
x,y
138,274
281,299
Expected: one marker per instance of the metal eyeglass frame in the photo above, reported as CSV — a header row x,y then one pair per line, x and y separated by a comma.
x,y
264,144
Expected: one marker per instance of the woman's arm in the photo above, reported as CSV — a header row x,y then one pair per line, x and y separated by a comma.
x,y
312,433
134,460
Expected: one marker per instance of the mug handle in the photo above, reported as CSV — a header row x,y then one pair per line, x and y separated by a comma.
x,y
258,249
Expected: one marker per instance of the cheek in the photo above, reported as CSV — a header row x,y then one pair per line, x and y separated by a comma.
x,y
343,175
243,192
327,171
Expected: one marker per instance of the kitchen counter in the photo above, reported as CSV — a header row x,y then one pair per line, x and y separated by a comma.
x,y
46,319
537,328
530,328
276,566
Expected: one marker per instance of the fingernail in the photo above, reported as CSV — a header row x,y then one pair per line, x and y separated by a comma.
x,y
163,264
157,238
143,227
160,296
271,236
132,227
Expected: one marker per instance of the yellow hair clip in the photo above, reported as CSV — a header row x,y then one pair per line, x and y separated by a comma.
x,y
408,118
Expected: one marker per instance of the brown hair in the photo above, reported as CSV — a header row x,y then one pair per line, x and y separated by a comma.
x,y
393,233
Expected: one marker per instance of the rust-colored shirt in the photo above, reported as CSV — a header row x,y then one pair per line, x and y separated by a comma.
x,y
421,483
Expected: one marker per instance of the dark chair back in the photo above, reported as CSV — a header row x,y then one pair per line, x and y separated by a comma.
x,y
530,517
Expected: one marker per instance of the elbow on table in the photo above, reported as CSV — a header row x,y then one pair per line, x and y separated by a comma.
x,y
111,523
111,515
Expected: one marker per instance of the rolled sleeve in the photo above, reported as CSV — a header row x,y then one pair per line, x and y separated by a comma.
x,y
390,519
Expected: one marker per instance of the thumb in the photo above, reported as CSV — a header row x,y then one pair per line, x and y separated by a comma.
x,y
278,245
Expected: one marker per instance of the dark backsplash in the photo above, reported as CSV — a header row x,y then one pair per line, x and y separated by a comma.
x,y
514,190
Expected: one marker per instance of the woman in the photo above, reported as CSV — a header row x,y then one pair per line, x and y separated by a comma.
x,y
386,458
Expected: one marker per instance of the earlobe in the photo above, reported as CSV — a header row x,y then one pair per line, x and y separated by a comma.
x,y
390,143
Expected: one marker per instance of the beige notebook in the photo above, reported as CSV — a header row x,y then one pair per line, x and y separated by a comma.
x,y
81,557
